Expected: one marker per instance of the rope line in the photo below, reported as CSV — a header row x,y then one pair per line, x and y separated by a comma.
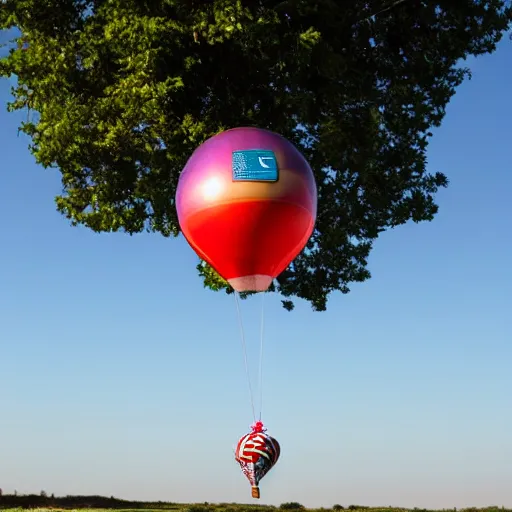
x,y
262,331
244,347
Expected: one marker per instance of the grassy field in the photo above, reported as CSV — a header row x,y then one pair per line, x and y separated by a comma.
x,y
50,503
233,507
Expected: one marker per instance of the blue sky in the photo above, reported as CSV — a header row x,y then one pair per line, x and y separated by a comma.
x,y
120,375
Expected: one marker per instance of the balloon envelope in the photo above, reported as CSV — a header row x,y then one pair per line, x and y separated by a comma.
x,y
247,203
257,453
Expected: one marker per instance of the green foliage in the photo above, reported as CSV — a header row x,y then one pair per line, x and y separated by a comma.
x,y
125,90
92,504
198,508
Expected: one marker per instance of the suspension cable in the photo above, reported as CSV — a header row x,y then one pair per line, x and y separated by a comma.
x,y
262,331
244,348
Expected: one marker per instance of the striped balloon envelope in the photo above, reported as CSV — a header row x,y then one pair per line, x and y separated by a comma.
x,y
247,203
257,453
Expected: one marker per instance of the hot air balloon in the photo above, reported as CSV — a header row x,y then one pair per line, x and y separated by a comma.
x,y
257,453
246,203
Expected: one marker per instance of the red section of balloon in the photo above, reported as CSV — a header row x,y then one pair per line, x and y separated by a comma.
x,y
263,245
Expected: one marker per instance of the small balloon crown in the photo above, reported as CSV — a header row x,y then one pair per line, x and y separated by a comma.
x,y
258,427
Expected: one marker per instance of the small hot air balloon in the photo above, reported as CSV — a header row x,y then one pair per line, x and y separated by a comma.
x,y
257,453
246,203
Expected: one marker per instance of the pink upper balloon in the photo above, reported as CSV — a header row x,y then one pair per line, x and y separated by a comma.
x,y
246,203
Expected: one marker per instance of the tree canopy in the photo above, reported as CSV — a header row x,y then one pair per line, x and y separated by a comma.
x,y
122,91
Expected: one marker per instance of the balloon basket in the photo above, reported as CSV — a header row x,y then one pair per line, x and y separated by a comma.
x,y
256,492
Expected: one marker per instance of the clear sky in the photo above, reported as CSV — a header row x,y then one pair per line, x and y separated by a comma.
x,y
120,375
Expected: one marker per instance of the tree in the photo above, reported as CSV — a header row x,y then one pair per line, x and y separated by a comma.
x,y
123,92
292,505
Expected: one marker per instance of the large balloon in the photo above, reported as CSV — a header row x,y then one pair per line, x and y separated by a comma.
x,y
246,203
257,453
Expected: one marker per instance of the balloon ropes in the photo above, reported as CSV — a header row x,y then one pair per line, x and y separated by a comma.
x,y
246,203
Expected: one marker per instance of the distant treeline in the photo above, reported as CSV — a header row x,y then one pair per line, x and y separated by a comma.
x,y
43,500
